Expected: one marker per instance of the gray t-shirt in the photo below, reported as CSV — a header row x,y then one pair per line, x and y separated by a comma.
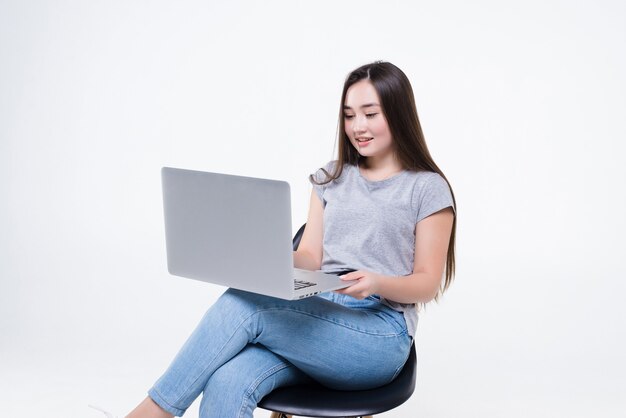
x,y
370,225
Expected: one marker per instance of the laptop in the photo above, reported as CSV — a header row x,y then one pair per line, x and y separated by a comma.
x,y
235,231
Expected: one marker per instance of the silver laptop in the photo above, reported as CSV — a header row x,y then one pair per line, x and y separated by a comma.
x,y
235,231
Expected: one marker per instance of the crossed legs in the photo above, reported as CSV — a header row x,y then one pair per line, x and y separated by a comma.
x,y
246,345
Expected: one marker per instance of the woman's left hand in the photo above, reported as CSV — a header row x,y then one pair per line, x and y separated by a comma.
x,y
366,284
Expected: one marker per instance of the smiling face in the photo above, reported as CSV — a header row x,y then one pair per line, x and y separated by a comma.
x,y
365,124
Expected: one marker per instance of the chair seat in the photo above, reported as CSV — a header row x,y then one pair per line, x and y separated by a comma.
x,y
319,401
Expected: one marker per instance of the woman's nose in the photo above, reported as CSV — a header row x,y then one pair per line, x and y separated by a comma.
x,y
359,124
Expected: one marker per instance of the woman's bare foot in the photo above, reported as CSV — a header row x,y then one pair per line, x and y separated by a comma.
x,y
149,409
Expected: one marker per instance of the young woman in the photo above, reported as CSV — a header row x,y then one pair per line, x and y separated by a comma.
x,y
383,211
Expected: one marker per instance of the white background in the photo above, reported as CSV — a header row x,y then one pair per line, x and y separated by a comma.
x,y
523,105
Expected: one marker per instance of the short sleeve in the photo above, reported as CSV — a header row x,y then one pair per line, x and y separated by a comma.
x,y
431,194
320,177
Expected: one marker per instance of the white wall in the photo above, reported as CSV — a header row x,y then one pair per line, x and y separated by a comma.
x,y
523,106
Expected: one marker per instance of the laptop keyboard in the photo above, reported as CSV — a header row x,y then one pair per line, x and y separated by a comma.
x,y
301,284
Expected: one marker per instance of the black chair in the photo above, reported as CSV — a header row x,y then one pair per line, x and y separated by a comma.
x,y
314,400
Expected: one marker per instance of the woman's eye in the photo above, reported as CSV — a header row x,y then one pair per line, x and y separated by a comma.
x,y
348,116
371,115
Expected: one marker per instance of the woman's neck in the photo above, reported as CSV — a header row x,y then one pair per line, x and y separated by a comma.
x,y
380,169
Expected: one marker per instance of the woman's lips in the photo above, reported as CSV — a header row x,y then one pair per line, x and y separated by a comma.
x,y
363,141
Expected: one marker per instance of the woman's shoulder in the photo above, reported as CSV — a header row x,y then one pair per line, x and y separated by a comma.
x,y
427,179
330,166
428,184
431,192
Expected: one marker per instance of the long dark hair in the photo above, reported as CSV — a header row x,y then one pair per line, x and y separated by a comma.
x,y
398,106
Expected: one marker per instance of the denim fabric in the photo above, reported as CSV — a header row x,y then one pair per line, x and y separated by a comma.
x,y
246,345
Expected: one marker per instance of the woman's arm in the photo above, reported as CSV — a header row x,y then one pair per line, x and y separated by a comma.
x,y
309,253
432,236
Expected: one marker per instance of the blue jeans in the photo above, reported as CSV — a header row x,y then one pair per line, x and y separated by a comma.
x,y
247,345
